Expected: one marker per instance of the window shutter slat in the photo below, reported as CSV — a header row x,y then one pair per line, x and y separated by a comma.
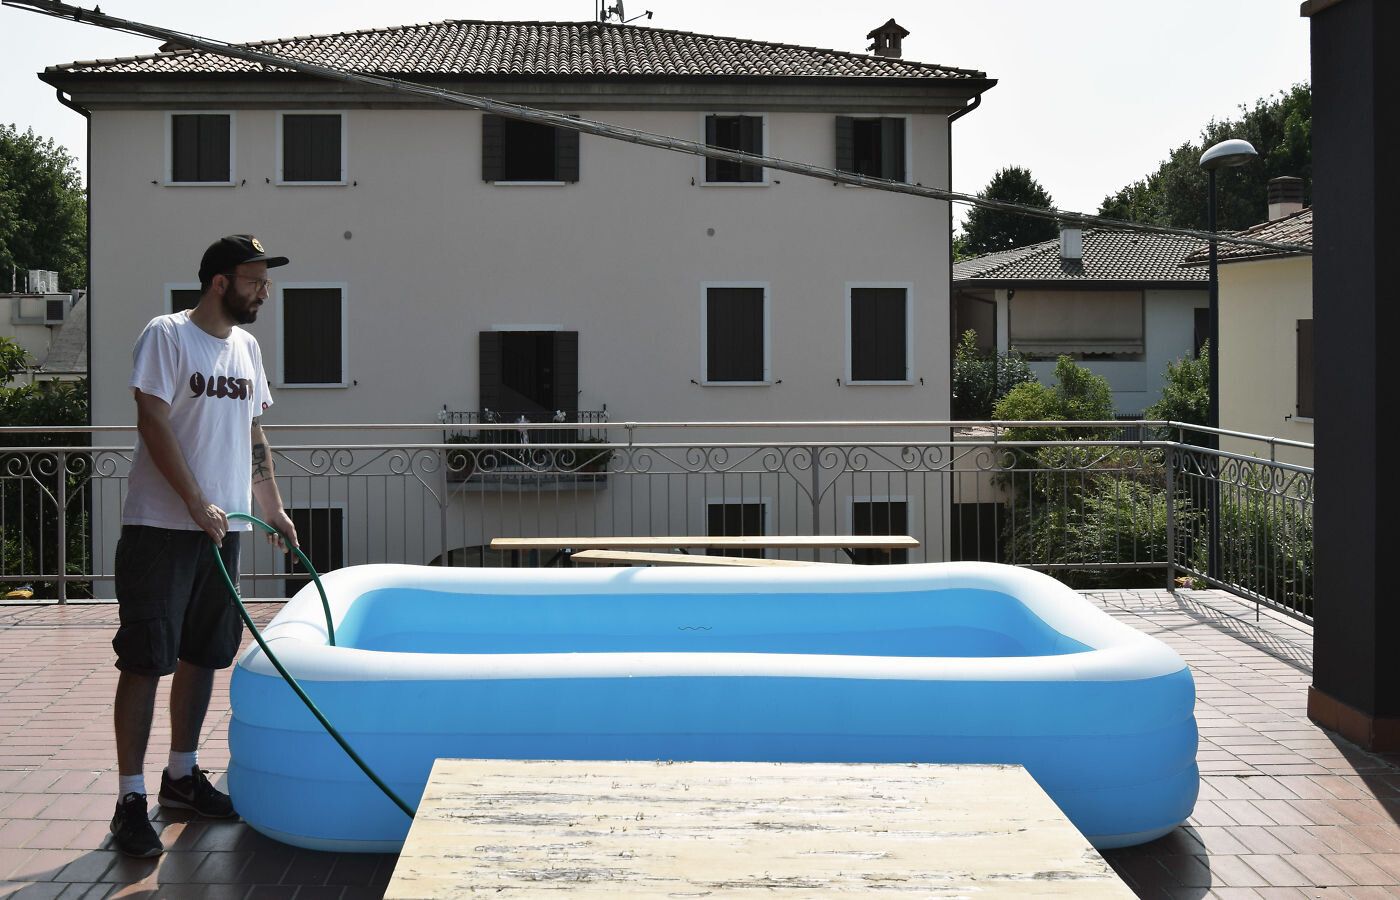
x,y
711,139
892,149
845,144
566,371
489,359
565,154
493,139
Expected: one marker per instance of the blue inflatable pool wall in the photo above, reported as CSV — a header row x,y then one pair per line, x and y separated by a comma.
x,y
951,662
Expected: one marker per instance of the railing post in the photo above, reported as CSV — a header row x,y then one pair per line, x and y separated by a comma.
x,y
62,526
816,497
443,543
1171,517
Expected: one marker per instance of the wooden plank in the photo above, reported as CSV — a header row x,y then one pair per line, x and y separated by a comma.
x,y
642,557
724,829
731,542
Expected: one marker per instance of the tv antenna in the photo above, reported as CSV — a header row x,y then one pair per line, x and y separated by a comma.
x,y
606,12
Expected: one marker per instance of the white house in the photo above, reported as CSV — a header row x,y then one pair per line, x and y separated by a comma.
x,y
1119,303
443,258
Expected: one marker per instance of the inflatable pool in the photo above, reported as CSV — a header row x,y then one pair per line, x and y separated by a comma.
x,y
950,662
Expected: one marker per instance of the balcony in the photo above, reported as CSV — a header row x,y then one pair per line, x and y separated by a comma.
x,y
1287,808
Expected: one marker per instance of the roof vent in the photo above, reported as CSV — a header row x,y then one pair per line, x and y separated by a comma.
x,y
888,39
1072,242
1285,196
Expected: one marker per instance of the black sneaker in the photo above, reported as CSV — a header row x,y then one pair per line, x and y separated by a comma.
x,y
195,792
132,831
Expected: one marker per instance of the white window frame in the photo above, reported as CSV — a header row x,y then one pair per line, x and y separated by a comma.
x,y
170,147
169,289
705,333
908,141
909,373
344,147
281,334
765,181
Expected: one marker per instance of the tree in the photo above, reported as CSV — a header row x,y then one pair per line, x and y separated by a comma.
x,y
990,230
980,380
43,209
1078,395
1280,128
1185,395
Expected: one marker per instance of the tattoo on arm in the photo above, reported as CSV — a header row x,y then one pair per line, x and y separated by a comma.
x,y
262,468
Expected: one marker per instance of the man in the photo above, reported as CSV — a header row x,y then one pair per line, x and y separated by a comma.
x,y
200,454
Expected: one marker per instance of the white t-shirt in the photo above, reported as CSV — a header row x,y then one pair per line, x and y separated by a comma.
x,y
214,387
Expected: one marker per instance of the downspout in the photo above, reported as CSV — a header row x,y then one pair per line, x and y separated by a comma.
x,y
952,303
87,225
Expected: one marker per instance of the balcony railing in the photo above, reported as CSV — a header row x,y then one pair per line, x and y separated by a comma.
x,y
1096,513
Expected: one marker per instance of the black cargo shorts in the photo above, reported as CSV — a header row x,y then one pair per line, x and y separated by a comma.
x,y
173,602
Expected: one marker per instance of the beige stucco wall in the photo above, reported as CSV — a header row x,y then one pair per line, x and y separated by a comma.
x,y
430,255
1260,305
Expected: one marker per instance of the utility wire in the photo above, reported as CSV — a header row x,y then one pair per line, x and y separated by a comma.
x,y
615,132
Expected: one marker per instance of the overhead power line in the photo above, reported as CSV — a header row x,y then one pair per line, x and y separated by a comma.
x,y
615,132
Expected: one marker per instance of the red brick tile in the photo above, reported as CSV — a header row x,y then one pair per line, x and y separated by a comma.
x,y
1359,868
1318,870
1275,870
1381,838
1233,871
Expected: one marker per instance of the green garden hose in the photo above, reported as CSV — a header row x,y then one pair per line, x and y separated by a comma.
x,y
286,676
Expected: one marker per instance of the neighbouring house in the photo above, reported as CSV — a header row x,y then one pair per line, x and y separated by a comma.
x,y
51,326
450,262
1266,326
1118,302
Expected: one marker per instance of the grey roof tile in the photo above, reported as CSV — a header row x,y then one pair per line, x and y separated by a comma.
x,y
538,49
1109,256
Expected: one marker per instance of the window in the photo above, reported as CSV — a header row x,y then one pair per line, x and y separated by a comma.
x,y
313,335
735,519
520,151
321,534
181,296
313,148
878,324
1084,325
880,517
530,373
734,133
735,334
1305,369
871,146
200,148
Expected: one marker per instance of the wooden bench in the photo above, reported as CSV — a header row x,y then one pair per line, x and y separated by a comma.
x,y
522,828
646,558
564,546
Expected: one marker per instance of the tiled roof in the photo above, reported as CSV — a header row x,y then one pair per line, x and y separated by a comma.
x,y
1109,256
534,49
1294,229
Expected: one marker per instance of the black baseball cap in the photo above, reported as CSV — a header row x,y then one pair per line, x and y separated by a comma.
x,y
227,252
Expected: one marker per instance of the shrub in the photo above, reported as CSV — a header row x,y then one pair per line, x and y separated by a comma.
x,y
980,381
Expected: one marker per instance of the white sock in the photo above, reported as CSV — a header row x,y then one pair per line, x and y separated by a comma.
x,y
130,784
181,763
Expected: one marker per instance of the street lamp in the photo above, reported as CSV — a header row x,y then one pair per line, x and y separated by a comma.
x,y
1224,155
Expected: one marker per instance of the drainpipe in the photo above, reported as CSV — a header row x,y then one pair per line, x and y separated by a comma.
x,y
953,117
86,114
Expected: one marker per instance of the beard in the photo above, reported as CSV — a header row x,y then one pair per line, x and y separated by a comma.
x,y
241,311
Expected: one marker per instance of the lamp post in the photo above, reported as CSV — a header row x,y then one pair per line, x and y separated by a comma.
x,y
1224,155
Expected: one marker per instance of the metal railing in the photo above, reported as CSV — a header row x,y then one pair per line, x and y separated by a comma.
x,y
1096,513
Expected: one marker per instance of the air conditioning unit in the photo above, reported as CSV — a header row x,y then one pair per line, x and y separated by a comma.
x,y
55,311
43,281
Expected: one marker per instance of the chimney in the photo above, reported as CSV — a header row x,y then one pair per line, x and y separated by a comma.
x,y
1071,242
1285,196
888,39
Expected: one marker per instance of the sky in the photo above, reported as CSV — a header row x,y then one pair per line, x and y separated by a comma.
x,y
1091,95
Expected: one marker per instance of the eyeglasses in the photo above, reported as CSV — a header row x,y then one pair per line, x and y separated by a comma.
x,y
262,283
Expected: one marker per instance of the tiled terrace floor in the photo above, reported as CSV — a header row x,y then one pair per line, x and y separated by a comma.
x,y
1287,809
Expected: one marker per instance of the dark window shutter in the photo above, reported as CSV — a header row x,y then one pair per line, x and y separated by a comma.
x,y
712,140
566,371
321,534
845,144
892,149
734,520
565,154
493,147
311,147
1305,368
199,147
878,334
489,361
750,141
311,336
734,334
880,517
184,298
